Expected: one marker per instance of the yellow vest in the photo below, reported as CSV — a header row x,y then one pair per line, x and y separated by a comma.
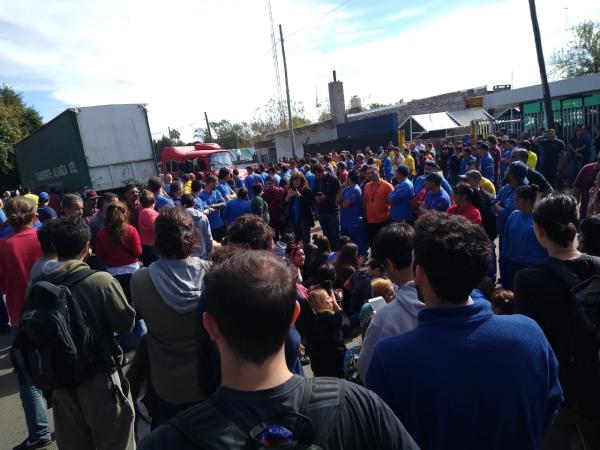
x,y
487,185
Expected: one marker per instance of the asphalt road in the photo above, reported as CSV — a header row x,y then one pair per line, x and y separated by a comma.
x,y
12,426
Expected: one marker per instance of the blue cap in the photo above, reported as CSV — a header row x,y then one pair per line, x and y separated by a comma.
x,y
43,196
519,170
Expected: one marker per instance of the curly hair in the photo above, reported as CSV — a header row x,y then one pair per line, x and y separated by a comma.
x,y
251,231
303,183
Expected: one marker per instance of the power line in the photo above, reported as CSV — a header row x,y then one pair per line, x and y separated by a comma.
x,y
303,27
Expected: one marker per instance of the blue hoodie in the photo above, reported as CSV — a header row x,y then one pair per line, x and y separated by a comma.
x,y
470,380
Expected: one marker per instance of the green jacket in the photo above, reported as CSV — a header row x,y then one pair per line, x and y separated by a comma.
x,y
260,208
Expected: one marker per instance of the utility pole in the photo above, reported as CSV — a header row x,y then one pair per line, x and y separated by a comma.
x,y
208,127
287,92
542,65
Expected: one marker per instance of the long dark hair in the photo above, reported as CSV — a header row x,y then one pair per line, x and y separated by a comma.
x,y
117,219
557,215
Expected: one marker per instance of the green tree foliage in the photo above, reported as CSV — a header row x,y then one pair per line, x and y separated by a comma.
x,y
227,134
17,121
581,54
268,119
172,140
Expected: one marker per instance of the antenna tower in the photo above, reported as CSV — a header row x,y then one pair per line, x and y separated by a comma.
x,y
278,96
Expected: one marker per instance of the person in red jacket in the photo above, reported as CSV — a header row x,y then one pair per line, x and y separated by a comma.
x,y
18,253
119,247
275,197
464,196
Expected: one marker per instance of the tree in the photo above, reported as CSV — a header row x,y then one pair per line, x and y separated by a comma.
x,y
17,121
581,54
269,117
228,134
172,140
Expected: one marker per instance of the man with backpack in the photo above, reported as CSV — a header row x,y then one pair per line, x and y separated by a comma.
x,y
78,359
250,305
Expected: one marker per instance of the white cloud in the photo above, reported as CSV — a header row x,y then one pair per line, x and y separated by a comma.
x,y
189,56
407,13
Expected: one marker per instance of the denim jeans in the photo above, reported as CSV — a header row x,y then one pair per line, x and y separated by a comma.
x,y
34,408
330,225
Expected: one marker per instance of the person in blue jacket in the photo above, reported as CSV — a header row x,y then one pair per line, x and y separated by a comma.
x,y
520,248
436,199
419,182
388,171
237,207
213,199
465,378
401,197
352,223
486,161
504,203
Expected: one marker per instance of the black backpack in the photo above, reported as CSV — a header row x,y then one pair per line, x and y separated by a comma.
x,y
311,427
54,337
582,369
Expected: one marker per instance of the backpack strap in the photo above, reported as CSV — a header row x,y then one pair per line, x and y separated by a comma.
x,y
558,269
322,404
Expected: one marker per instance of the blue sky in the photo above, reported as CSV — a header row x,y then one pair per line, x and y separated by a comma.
x,y
185,57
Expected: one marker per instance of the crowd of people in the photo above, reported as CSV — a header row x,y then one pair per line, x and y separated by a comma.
x,y
449,301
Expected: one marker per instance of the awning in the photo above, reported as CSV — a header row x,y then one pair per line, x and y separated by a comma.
x,y
431,122
464,118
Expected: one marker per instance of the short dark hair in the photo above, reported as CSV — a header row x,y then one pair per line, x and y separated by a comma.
x,y
257,188
176,235
243,193
211,179
557,215
394,242
223,173
250,230
252,296
521,154
69,200
45,234
187,201
69,237
453,252
154,184
318,168
196,185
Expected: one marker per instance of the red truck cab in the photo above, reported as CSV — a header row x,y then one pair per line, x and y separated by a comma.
x,y
201,158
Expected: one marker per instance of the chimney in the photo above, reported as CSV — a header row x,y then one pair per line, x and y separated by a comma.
x,y
337,105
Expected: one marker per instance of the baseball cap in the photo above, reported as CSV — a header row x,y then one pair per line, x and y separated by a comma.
x,y
403,170
91,194
435,177
519,170
430,163
484,145
43,196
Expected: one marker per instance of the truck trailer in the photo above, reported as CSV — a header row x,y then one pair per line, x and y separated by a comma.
x,y
97,147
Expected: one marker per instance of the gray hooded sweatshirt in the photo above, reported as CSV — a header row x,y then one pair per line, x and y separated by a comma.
x,y
395,318
179,281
